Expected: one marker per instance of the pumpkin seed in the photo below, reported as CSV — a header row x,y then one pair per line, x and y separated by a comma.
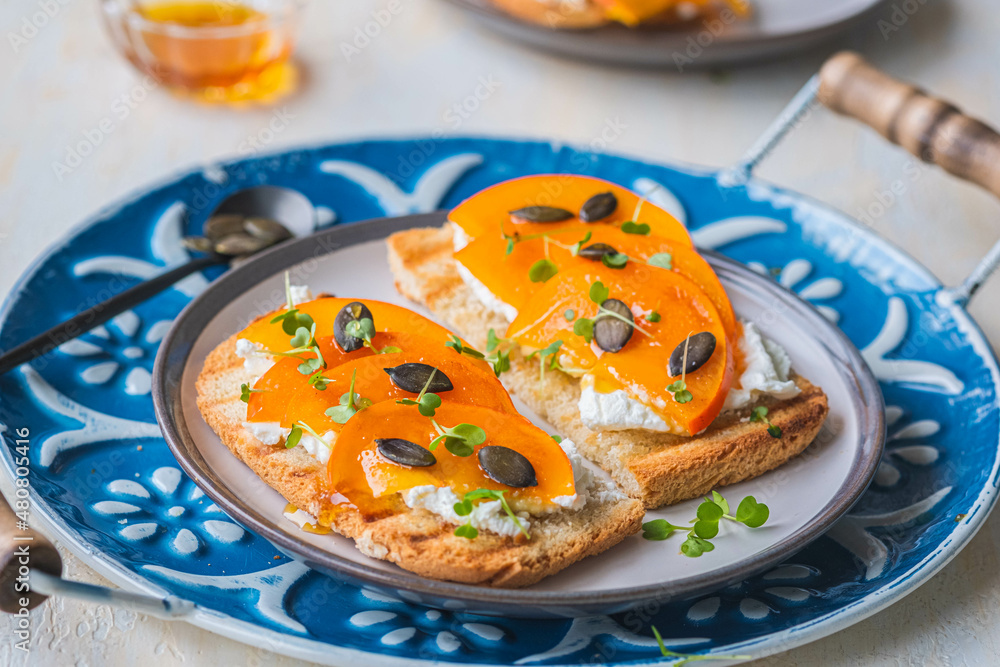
x,y
596,251
412,377
506,466
542,214
610,333
405,453
220,226
198,244
352,311
699,350
236,245
266,229
598,207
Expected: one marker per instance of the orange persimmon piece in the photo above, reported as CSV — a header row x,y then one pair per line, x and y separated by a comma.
x,y
506,276
641,368
369,481
283,398
386,316
284,395
488,211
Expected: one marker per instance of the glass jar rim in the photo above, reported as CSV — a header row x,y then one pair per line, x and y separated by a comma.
x,y
121,10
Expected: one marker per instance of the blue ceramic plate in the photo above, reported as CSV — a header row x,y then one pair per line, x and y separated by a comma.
x,y
104,480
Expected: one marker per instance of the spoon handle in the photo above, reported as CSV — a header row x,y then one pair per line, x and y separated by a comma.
x,y
94,316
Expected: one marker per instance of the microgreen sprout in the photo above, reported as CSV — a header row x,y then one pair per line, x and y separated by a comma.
x,y
570,314
542,270
295,434
547,353
614,260
464,508
291,319
653,316
245,392
517,237
705,525
685,658
426,403
459,439
759,414
350,404
664,260
496,357
364,329
679,388
631,227
319,381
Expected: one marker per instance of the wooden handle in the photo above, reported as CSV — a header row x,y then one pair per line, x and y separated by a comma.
x,y
930,128
20,551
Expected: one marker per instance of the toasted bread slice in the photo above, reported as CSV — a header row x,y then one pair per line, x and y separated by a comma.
x,y
416,540
656,468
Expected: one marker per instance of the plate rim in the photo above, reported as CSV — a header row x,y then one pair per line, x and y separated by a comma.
x,y
174,353
902,584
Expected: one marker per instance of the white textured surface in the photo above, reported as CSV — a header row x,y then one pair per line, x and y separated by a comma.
x,y
66,79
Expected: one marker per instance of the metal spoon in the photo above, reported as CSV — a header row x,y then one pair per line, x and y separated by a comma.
x,y
245,223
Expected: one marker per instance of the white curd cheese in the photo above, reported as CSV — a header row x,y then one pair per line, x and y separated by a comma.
x,y
484,294
255,361
766,372
300,518
490,516
615,411
460,238
269,433
300,294
317,448
440,500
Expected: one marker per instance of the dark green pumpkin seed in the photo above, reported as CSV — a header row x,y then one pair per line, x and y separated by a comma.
x,y
610,333
506,466
266,229
699,350
352,311
220,226
198,244
542,214
405,453
598,207
237,245
596,251
412,377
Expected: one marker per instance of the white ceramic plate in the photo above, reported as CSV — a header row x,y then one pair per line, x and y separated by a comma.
x,y
805,496
777,27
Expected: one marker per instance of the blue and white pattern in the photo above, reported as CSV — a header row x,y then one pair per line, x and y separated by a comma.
x,y
105,480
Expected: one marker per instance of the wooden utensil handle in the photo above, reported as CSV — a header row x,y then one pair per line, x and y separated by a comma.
x,y
22,549
930,128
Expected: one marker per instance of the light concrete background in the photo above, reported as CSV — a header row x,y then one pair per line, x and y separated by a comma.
x,y
67,77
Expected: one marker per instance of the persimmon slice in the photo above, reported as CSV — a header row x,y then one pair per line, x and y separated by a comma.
x,y
285,396
487,211
506,276
641,367
359,473
386,316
